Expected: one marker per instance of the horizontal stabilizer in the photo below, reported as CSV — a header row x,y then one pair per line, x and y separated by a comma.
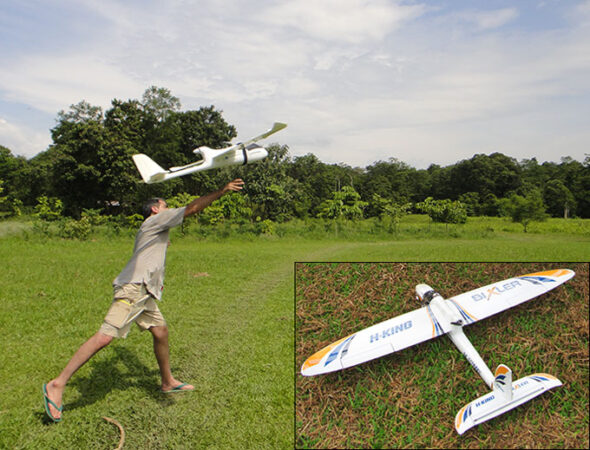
x,y
494,403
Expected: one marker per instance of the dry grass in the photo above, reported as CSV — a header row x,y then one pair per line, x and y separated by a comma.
x,y
410,398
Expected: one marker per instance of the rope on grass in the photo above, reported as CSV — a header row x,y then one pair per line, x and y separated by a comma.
x,y
122,440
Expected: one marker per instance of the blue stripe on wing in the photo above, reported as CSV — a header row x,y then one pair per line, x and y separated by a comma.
x,y
468,317
438,329
335,352
538,280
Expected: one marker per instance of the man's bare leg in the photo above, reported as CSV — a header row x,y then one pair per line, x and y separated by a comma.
x,y
55,387
162,351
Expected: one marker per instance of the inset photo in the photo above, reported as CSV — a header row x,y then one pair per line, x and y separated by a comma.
x,y
441,355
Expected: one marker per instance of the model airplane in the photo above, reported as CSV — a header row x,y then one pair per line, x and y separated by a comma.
x,y
242,153
439,316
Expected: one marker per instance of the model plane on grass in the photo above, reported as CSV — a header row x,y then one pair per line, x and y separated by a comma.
x,y
441,316
241,153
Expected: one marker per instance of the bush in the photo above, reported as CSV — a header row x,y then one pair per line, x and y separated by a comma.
x,y
75,229
94,217
180,200
443,211
16,206
134,220
48,208
266,226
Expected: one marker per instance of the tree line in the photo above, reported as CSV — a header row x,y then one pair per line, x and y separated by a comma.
x,y
89,167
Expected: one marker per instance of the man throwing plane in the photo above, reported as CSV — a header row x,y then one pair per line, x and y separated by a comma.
x,y
136,290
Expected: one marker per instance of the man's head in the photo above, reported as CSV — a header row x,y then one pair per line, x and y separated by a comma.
x,y
153,206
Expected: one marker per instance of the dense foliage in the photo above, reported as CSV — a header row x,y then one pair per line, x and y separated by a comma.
x,y
89,167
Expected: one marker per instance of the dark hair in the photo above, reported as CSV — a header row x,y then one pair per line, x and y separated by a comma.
x,y
146,209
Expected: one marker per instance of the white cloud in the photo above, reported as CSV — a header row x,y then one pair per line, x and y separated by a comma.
x,y
354,79
487,20
23,140
345,21
53,82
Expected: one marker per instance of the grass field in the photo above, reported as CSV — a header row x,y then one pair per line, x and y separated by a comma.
x,y
410,398
230,310
229,304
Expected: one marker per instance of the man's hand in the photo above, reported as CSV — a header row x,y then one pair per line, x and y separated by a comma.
x,y
199,204
235,185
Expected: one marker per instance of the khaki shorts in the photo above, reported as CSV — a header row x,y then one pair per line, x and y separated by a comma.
x,y
131,303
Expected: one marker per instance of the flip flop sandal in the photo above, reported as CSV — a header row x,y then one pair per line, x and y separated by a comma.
x,y
48,401
177,389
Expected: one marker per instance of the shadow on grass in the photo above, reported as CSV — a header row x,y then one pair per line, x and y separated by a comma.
x,y
119,372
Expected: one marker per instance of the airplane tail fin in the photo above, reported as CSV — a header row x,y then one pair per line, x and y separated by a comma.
x,y
149,170
506,395
503,382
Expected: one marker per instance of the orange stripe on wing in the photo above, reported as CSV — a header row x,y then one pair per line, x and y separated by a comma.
x,y
459,419
549,273
431,321
463,310
317,357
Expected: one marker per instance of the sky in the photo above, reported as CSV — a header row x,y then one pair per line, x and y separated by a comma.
x,y
357,81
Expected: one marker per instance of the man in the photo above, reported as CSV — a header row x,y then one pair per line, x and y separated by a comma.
x,y
136,290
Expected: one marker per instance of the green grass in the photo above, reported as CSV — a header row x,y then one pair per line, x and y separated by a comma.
x,y
410,398
231,334
229,304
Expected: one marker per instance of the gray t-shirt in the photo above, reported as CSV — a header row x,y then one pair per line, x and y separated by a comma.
x,y
149,253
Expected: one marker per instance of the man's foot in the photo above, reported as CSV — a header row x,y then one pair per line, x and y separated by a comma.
x,y
176,387
52,397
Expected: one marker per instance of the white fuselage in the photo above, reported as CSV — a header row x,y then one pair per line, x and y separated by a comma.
x,y
211,160
245,156
452,324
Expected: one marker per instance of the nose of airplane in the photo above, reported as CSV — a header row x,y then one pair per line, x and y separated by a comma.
x,y
424,293
256,154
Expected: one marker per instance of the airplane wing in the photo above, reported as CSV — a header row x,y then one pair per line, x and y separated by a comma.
x,y
277,126
421,324
494,298
373,342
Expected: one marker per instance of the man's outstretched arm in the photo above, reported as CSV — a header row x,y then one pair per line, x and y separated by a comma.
x,y
199,204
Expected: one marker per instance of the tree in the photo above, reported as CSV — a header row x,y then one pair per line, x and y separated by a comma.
x,y
524,210
13,172
392,179
389,212
497,174
124,128
581,191
272,193
76,177
444,211
559,199
80,113
3,198
204,127
159,103
440,181
345,203
191,129
316,180
471,202
91,165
